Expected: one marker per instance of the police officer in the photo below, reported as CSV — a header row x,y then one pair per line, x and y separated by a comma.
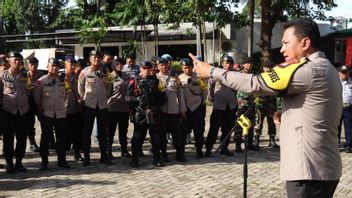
x,y
94,88
244,100
224,111
33,75
118,110
195,92
146,97
172,111
50,94
74,127
266,106
15,107
107,60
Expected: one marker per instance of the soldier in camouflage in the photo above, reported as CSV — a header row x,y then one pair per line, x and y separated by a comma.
x,y
266,106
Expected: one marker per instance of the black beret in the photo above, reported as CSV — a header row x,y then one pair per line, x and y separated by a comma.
x,y
161,60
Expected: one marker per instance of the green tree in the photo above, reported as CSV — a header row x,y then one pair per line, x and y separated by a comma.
x,y
272,11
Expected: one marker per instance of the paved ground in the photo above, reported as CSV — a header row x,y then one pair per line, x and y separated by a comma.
x,y
218,176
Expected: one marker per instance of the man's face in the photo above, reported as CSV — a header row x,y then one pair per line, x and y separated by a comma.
x,y
187,70
94,60
53,69
226,65
107,59
163,68
344,75
15,62
130,62
292,47
69,67
146,71
247,67
32,67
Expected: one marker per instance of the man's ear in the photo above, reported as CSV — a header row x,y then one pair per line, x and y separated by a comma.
x,y
306,43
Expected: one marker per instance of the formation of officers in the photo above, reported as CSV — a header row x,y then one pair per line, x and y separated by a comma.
x,y
150,95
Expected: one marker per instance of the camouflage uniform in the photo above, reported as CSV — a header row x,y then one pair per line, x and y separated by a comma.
x,y
244,100
265,107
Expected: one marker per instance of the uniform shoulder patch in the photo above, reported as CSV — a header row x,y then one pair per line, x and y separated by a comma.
x,y
279,77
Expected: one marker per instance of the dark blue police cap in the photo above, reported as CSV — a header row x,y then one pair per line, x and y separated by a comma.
x,y
15,55
161,60
53,61
228,59
70,59
187,62
147,64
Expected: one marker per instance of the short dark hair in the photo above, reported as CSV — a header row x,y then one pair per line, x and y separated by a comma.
x,y
305,27
131,56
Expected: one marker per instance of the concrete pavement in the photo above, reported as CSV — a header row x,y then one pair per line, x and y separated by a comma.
x,y
217,176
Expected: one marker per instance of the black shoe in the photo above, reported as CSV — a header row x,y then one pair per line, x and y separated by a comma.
x,y
253,147
52,146
272,143
140,153
34,148
126,154
199,154
86,162
348,149
165,158
110,156
20,168
64,165
207,153
43,167
180,158
10,168
78,157
226,152
134,164
106,161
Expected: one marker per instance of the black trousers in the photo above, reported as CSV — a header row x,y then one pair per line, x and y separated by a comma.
x,y
48,125
89,116
220,118
74,131
311,189
140,131
194,121
170,123
31,119
120,120
14,125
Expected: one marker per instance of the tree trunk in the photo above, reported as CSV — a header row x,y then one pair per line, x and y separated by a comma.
x,y
156,40
250,32
198,40
266,31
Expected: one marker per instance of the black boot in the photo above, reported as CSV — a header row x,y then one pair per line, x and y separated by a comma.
x,y
78,156
199,153
124,152
256,141
19,167
207,152
225,151
238,142
86,161
180,156
164,156
9,168
251,145
134,162
272,142
104,159
110,156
